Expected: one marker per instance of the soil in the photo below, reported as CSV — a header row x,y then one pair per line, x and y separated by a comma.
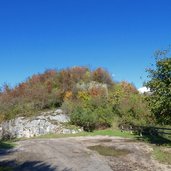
x,y
73,154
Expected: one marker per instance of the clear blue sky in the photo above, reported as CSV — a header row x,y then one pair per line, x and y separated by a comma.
x,y
120,35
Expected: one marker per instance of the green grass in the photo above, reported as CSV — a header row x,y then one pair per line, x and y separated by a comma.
x,y
162,156
7,144
6,168
107,132
109,151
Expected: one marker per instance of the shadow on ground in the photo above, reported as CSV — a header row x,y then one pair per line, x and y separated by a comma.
x,y
6,145
156,139
6,148
13,165
28,166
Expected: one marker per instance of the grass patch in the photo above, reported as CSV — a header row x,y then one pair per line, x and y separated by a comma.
x,y
6,168
110,132
6,144
109,151
162,156
107,132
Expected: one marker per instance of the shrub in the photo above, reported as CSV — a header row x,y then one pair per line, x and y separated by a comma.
x,y
85,118
129,105
93,113
133,109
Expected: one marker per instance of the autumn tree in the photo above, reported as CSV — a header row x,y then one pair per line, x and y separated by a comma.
x,y
102,76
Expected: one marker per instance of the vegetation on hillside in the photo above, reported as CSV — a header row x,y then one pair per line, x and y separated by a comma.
x,y
91,97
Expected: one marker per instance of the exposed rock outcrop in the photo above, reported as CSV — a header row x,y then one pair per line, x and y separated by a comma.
x,y
46,123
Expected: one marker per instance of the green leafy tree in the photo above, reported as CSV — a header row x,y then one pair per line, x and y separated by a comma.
x,y
160,88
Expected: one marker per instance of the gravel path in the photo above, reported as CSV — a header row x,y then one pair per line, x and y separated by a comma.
x,y
72,154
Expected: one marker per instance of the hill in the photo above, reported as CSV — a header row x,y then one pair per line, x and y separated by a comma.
x,y
91,97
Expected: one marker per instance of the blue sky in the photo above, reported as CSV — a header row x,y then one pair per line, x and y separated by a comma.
x,y
119,35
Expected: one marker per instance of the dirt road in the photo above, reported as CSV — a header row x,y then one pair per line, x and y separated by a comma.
x,y
72,154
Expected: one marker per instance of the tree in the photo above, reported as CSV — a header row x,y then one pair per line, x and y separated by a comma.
x,y
160,88
102,76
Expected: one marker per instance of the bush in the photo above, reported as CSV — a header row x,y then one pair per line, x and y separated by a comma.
x,y
134,110
85,118
129,105
91,114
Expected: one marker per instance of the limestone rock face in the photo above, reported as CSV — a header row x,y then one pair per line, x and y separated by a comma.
x,y
45,123
0,132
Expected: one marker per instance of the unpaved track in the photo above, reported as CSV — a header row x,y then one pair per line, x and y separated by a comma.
x,y
71,154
